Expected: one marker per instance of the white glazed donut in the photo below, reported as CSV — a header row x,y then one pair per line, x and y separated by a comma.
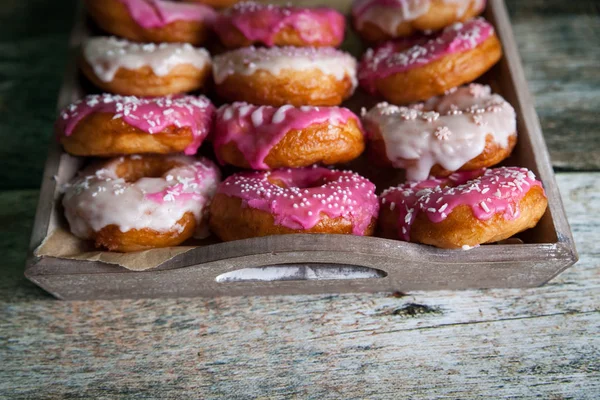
x,y
285,75
378,20
122,67
467,129
138,202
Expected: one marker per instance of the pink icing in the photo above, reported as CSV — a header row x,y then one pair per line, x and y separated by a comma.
x,y
184,189
486,191
256,130
400,56
158,13
151,115
309,192
261,23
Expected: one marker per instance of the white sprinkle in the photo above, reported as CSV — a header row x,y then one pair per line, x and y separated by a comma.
x,y
484,206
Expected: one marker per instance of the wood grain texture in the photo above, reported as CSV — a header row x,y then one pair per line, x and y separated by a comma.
x,y
529,343
559,42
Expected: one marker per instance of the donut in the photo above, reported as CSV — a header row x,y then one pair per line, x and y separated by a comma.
x,y
249,23
380,20
411,70
469,128
284,201
153,20
276,76
215,3
465,209
108,125
135,202
126,68
265,137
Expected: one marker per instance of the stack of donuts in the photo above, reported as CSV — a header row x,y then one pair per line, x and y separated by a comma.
x,y
279,130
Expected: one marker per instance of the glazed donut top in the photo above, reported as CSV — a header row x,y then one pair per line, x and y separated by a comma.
x,y
487,192
158,13
150,115
256,130
378,11
400,56
248,60
107,54
297,197
261,23
101,198
449,130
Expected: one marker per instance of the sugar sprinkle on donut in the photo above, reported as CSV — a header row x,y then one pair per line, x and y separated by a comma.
x,y
448,130
486,192
388,14
150,115
158,13
100,197
257,129
261,23
248,60
401,56
298,197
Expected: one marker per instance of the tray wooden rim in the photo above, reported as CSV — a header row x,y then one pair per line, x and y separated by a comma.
x,y
251,251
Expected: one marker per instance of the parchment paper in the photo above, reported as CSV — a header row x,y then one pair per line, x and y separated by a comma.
x,y
62,244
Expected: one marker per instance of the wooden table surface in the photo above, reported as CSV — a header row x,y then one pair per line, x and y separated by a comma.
x,y
542,342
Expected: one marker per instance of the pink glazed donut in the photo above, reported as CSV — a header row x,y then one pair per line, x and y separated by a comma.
x,y
379,20
107,125
138,202
464,210
249,23
305,200
153,20
415,69
264,137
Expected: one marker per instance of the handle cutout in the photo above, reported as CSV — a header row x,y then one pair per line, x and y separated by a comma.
x,y
300,272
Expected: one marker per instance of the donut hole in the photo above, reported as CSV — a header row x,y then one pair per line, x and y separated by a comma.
x,y
306,181
134,169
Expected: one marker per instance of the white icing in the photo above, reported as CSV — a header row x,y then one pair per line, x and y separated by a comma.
x,y
99,199
387,18
247,61
107,54
449,130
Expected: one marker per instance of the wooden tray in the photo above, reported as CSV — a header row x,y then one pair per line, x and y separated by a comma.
x,y
322,263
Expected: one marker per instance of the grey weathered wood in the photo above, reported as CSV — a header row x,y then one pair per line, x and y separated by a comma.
x,y
560,45
517,343
407,266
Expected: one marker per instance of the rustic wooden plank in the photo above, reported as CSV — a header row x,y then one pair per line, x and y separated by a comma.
x,y
468,344
559,42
